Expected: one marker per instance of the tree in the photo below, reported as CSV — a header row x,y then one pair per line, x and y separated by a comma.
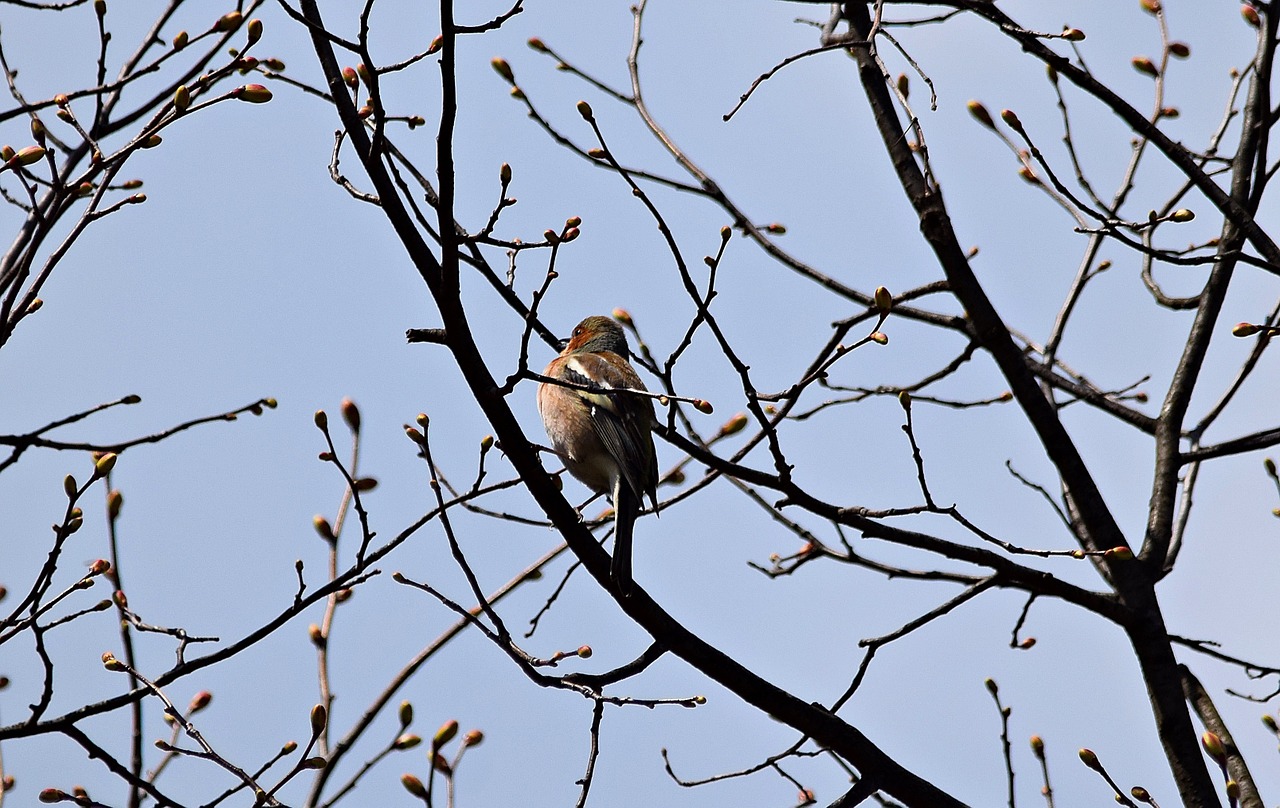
x,y
961,466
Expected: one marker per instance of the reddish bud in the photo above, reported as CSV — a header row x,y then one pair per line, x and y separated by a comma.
x,y
1212,744
1071,35
1150,6
1120,553
1145,66
1245,329
1250,15
51,795
436,44
734,425
879,338
254,31
584,652
199,701
703,406
253,94
27,156
623,316
1037,746
349,76
351,414
1179,49
904,85
538,45
473,738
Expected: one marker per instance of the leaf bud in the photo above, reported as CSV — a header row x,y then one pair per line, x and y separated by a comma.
x,y
181,98
180,41
584,652
436,44
1145,66
1179,49
1270,466
703,406
414,786
255,30
1212,744
538,45
228,22
351,414
879,338
319,717
104,464
502,68
405,714
199,701
734,425
1037,746
1088,758
1245,329
406,741
473,738
1250,15
1071,35
323,527
980,114
445,734
1182,215
883,300
1119,553
253,94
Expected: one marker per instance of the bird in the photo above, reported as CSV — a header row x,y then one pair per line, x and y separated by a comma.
x,y
602,433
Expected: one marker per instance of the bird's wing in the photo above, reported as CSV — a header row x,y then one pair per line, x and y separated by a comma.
x,y
621,421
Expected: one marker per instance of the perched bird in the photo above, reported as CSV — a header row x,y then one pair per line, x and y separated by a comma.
x,y
603,434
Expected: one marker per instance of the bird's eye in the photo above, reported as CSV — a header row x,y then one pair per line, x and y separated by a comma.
x,y
577,332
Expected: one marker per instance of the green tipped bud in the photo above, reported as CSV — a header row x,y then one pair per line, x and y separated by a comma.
x,y
734,425
502,68
319,717
1270,466
110,662
322,419
980,114
405,714
884,300
255,30
1145,66
504,174
445,734
1181,215
992,687
486,443
436,44
1088,758
228,22
181,98
584,652
406,741
414,786
27,156
323,527
104,464
69,486
1141,795
180,41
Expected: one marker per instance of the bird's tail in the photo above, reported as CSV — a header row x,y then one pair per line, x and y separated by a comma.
x,y
626,508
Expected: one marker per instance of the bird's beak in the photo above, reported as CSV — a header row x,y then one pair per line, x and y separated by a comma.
x,y
561,344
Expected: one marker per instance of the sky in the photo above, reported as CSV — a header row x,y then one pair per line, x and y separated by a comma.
x,y
248,273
